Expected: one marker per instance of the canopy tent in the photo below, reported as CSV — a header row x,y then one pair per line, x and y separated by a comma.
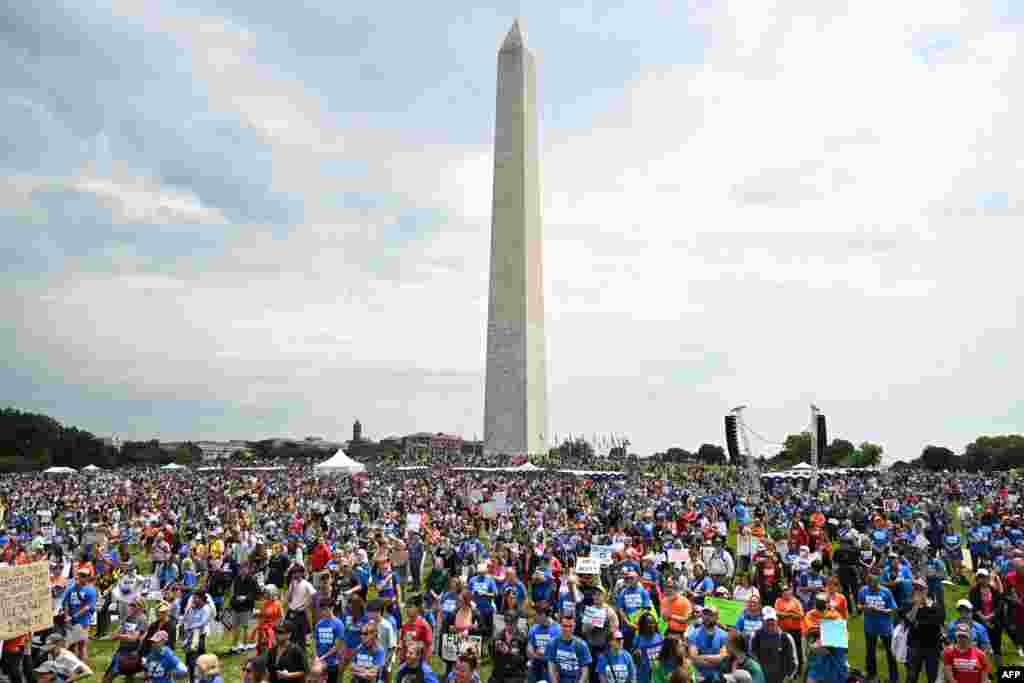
x,y
59,470
91,468
173,466
528,467
339,462
804,471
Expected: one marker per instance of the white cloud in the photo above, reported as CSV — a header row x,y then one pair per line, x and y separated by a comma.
x,y
792,220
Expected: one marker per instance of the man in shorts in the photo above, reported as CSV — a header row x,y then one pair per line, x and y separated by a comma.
x,y
243,600
80,604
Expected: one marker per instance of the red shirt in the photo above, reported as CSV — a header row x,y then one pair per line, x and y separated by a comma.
x,y
418,630
15,644
968,667
320,556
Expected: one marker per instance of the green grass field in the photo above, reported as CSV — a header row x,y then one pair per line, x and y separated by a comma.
x,y
101,650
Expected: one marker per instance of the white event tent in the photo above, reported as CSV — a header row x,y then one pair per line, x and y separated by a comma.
x,y
339,462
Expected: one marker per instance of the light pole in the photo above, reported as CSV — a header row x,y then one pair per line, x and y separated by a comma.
x,y
753,483
814,447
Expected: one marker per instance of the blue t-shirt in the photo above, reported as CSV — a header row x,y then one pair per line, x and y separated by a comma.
x,y
633,599
353,630
708,644
979,634
570,656
366,656
161,665
80,597
647,650
478,586
877,624
327,632
619,668
428,674
749,624
539,638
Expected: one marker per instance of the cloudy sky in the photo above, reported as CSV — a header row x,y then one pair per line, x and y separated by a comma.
x,y
226,218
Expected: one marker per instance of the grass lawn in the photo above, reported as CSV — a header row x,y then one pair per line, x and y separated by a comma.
x,y
101,651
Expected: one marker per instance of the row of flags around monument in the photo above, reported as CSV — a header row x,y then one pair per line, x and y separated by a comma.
x,y
600,444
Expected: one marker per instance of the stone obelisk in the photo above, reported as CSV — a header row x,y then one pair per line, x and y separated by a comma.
x,y
515,404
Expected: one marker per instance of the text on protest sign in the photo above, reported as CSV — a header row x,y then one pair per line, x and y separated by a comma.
x,y
25,600
588,566
602,553
412,522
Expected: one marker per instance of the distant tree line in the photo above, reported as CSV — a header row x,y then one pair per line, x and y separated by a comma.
x,y
984,454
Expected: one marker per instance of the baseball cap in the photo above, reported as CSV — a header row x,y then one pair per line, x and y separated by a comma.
x,y
710,609
769,613
46,667
964,603
981,572
738,676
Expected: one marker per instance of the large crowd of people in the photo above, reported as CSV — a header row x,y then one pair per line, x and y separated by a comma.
x,y
664,574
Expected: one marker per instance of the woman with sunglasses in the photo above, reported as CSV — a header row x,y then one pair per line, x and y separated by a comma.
x,y
369,659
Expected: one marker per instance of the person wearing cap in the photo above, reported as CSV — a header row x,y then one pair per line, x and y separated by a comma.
x,y
707,645
616,665
879,607
791,620
68,666
632,602
163,623
979,634
541,634
988,604
810,583
738,661
924,622
130,635
542,591
963,662
286,660
80,605
721,566
899,579
599,621
646,647
774,649
510,661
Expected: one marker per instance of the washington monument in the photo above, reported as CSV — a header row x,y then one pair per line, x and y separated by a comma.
x,y
516,402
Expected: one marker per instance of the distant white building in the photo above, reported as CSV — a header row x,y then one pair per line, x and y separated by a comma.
x,y
220,450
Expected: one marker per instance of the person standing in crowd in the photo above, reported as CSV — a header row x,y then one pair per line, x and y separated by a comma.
x,y
707,645
161,664
415,629
879,606
415,668
80,605
510,662
15,652
646,647
924,641
329,641
385,634
567,656
847,562
616,665
738,659
791,620
775,649
244,593
676,609
286,660
299,600
127,659
988,607
541,634
368,661
750,620
963,662
632,602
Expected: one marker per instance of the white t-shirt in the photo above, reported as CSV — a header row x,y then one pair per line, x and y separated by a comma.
x,y
299,595
67,664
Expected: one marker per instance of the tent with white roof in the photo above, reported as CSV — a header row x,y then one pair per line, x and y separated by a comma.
x,y
339,462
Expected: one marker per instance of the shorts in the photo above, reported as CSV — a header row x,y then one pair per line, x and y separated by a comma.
x,y
78,633
242,617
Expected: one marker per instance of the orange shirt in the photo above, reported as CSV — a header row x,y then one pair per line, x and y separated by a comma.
x,y
678,613
817,519
790,623
271,613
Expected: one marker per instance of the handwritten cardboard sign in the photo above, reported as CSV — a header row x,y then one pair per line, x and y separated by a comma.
x,y
25,600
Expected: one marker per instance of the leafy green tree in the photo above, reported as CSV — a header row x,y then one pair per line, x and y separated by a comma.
x,y
840,453
937,458
710,454
869,455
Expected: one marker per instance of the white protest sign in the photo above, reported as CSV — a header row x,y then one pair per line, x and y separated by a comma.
x,y
26,599
602,553
588,566
412,522
501,503
354,508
